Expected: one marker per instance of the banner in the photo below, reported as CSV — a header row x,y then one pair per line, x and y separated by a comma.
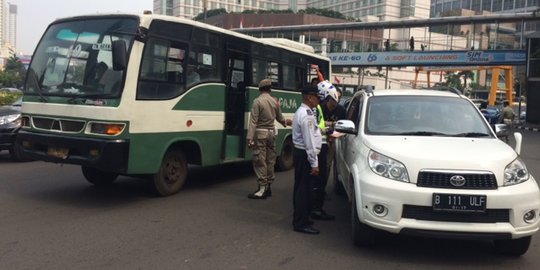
x,y
430,58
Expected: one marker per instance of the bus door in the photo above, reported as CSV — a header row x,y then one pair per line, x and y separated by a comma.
x,y
235,105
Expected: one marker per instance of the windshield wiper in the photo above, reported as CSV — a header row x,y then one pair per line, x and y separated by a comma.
x,y
423,133
75,98
42,98
471,134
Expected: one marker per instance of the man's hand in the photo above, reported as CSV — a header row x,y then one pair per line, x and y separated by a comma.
x,y
251,144
288,122
314,171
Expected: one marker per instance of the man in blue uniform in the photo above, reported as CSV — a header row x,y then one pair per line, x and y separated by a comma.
x,y
307,142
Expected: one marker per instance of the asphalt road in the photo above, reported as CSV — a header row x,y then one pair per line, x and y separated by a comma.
x,y
51,218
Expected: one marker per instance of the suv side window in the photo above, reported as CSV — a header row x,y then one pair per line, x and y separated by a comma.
x,y
355,110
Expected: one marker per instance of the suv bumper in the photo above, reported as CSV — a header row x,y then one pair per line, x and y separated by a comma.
x,y
503,218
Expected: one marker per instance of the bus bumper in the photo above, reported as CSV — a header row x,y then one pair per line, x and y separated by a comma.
x,y
104,154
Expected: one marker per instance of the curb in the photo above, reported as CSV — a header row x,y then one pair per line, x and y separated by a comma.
x,y
528,128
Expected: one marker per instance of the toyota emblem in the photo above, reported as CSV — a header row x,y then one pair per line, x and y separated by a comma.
x,y
457,180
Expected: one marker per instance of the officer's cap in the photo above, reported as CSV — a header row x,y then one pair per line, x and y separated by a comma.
x,y
265,83
310,90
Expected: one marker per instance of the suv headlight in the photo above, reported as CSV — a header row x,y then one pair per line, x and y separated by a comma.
x,y
6,119
516,172
387,167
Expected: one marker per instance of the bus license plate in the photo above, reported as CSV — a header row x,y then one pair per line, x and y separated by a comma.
x,y
459,202
58,152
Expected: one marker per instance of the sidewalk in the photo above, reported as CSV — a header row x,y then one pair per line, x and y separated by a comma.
x,y
527,126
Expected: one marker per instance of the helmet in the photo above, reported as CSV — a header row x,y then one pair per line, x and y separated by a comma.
x,y
327,89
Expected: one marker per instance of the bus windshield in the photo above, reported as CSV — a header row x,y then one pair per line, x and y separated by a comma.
x,y
74,58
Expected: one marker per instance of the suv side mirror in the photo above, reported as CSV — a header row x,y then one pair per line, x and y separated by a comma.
x,y
119,55
345,126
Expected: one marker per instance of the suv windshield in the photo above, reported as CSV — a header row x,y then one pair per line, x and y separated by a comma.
x,y
424,116
74,58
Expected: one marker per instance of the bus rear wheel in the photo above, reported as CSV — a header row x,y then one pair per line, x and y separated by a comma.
x,y
172,174
98,177
285,160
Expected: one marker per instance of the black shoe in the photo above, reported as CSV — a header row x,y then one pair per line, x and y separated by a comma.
x,y
268,191
310,222
253,196
307,229
321,215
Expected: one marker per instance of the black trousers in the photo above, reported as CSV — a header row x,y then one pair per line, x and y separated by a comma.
x,y
319,186
303,188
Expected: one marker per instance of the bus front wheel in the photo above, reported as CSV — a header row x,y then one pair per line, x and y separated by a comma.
x,y
172,174
98,177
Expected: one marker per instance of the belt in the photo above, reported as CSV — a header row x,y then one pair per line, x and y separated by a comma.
x,y
303,149
264,129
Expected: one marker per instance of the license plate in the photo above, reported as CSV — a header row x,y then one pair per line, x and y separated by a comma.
x,y
58,152
459,202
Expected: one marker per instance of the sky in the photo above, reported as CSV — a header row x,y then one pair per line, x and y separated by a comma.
x,y
33,16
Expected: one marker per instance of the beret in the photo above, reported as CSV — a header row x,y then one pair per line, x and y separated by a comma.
x,y
265,82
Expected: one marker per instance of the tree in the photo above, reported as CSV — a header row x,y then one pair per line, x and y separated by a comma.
x,y
13,73
466,74
452,80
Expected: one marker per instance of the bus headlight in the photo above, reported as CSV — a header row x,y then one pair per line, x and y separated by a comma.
x,y
111,129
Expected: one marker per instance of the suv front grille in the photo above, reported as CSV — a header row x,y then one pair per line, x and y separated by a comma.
x,y
427,213
62,125
441,179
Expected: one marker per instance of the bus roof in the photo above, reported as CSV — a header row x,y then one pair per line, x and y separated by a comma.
x,y
146,19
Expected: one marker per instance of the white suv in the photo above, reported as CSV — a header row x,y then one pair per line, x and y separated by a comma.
x,y
427,163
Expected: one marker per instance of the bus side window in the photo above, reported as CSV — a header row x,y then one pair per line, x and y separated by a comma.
x,y
162,70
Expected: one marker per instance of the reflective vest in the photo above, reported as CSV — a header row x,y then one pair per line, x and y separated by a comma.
x,y
322,124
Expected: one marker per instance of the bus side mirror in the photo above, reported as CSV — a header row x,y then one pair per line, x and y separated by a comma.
x,y
119,54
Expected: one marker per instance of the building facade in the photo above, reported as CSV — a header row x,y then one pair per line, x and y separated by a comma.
x,y
192,8
494,6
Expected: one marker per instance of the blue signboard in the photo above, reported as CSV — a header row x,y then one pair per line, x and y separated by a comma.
x,y
430,58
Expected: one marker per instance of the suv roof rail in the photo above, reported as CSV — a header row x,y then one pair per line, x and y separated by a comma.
x,y
445,88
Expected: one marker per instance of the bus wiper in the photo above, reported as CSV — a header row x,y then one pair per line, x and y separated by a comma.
x,y
74,99
471,134
423,133
42,98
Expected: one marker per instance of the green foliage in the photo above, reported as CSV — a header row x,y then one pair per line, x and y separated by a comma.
x,y
210,13
325,13
271,11
314,11
452,80
8,97
13,73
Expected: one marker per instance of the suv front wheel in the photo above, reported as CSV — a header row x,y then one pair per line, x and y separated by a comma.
x,y
513,247
362,234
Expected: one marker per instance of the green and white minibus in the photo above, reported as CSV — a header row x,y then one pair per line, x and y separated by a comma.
x,y
147,95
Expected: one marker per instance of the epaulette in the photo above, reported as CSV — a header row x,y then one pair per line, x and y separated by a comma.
x,y
309,112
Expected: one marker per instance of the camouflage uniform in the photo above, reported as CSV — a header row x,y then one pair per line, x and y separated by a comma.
x,y
261,131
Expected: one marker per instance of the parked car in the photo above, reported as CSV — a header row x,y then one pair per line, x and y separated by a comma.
x,y
10,119
427,163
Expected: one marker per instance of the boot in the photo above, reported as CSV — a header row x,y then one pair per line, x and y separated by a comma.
x,y
268,191
259,194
